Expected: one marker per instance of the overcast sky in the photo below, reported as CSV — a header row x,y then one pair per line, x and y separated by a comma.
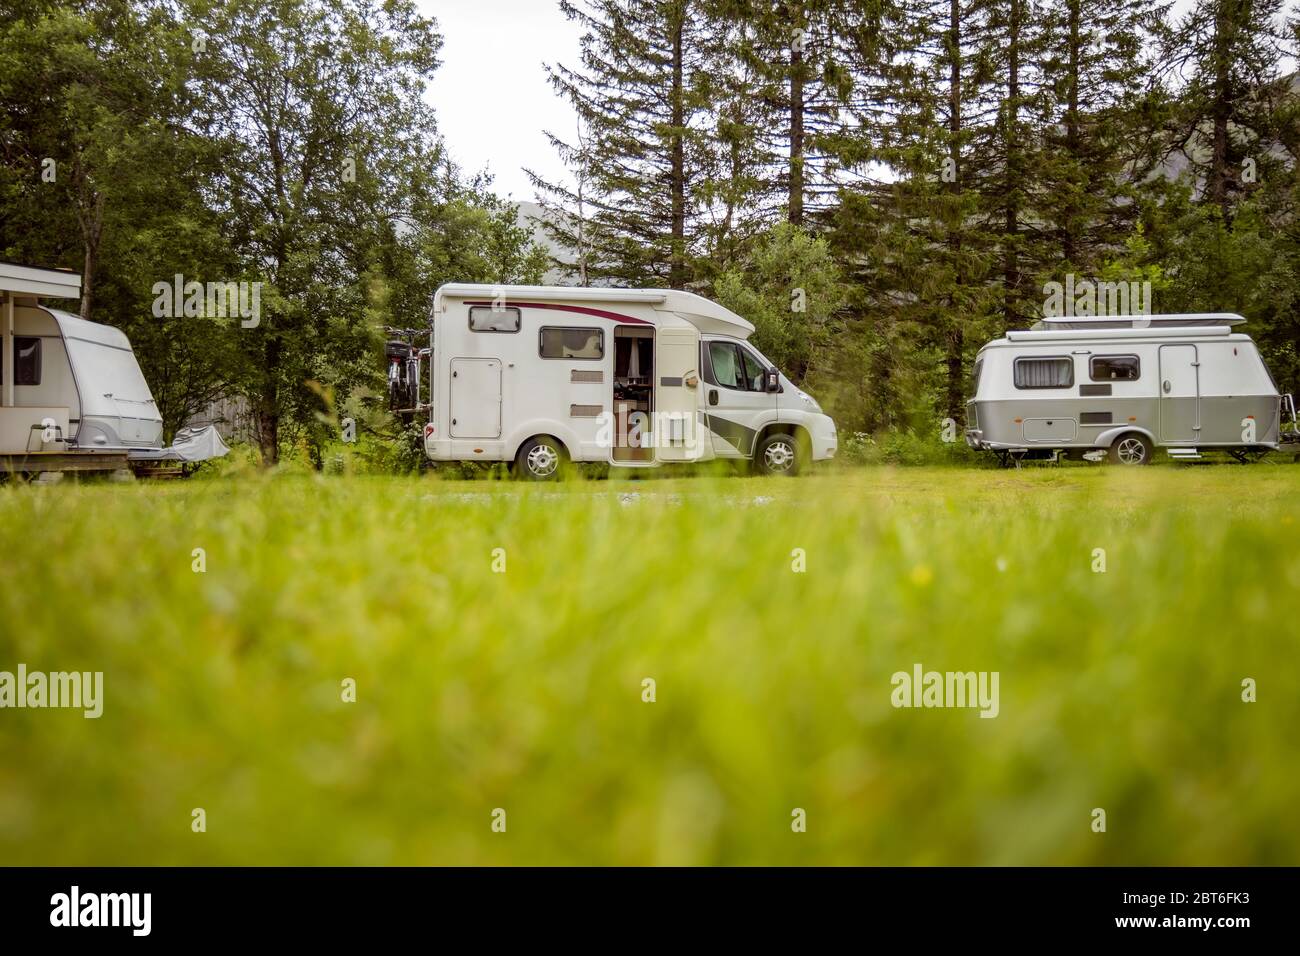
x,y
491,95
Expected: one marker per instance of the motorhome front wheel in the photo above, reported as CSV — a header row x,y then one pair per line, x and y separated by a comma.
x,y
778,455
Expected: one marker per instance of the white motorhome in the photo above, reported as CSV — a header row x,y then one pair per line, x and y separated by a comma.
x,y
536,375
72,395
1124,385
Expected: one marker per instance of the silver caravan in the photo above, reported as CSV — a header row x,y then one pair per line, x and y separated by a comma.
x,y
1121,386
535,375
72,396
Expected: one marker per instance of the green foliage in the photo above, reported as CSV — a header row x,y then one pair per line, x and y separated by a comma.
x,y
286,143
789,287
904,446
102,172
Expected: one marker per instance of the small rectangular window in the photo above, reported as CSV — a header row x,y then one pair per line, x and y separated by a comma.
x,y
1044,372
1114,368
487,319
560,343
27,361
975,377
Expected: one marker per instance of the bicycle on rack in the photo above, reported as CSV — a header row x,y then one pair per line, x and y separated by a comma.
x,y
405,361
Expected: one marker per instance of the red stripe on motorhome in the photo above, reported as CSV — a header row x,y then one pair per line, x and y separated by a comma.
x,y
581,309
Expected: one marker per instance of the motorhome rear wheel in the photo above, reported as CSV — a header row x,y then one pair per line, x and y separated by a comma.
x,y
540,459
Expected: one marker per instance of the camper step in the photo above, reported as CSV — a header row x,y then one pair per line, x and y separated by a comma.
x,y
1184,454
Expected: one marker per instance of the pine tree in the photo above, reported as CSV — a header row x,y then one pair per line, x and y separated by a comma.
x,y
1098,69
639,94
927,261
1005,38
1226,52
792,56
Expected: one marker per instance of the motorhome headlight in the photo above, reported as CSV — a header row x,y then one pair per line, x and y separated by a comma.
x,y
809,400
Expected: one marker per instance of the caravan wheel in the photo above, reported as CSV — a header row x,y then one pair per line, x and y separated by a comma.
x,y
1131,449
540,459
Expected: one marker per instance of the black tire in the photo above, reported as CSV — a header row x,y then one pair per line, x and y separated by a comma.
x,y
541,458
1131,448
780,454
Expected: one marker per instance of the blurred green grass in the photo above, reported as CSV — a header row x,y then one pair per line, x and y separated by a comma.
x,y
522,690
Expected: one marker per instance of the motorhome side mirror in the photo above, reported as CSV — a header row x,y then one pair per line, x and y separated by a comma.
x,y
773,380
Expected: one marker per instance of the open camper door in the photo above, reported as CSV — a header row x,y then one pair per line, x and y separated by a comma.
x,y
677,432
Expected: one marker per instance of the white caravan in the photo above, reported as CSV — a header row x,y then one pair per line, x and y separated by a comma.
x,y
535,375
73,396
1123,385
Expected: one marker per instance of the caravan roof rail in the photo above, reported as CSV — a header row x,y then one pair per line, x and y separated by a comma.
x,y
1084,335
1184,320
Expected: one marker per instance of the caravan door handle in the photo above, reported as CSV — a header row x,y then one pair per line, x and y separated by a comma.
x,y
713,396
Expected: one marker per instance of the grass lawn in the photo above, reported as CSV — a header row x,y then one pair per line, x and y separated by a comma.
x,y
521,689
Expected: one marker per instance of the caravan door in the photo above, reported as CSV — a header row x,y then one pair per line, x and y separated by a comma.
x,y
1180,394
677,432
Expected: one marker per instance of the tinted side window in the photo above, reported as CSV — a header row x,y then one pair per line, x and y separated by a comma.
x,y
1114,368
557,343
486,319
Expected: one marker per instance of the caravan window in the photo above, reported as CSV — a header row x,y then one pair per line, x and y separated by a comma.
x,y
1114,368
557,343
487,319
27,361
1044,372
